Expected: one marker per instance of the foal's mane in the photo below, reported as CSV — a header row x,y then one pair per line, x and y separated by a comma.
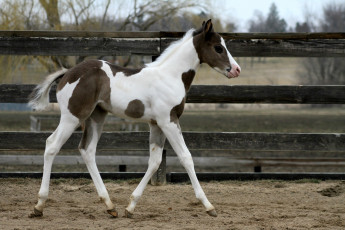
x,y
171,49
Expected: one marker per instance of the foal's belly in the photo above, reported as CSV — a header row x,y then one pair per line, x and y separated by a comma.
x,y
130,106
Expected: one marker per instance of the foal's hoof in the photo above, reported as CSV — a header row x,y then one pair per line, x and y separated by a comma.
x,y
113,212
36,213
212,213
128,214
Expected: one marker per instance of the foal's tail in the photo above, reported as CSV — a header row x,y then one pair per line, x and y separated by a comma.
x,y
39,98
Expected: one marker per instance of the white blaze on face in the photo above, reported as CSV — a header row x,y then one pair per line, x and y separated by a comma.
x,y
235,67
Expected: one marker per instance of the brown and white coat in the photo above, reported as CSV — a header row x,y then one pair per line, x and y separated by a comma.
x,y
154,94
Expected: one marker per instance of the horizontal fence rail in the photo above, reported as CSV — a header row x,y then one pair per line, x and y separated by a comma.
x,y
76,43
174,161
335,94
82,43
176,177
194,140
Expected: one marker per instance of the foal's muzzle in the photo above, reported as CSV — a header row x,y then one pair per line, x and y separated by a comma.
x,y
234,71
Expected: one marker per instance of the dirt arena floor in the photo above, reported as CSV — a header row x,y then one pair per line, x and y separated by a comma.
x,y
73,204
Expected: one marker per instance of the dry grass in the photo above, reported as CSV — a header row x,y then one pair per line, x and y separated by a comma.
x,y
293,119
274,71
280,71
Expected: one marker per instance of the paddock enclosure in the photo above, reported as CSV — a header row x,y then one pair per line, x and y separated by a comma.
x,y
316,202
252,146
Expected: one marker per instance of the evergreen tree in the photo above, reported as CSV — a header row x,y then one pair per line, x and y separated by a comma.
x,y
273,22
302,27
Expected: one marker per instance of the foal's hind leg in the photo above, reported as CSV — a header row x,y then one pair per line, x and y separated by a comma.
x,y
68,124
157,140
87,148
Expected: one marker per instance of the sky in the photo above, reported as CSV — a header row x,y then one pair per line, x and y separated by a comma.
x,y
241,11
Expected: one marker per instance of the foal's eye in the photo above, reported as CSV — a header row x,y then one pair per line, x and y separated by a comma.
x,y
218,49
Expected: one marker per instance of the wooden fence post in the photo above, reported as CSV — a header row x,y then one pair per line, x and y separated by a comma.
x,y
159,178
154,58
122,168
257,169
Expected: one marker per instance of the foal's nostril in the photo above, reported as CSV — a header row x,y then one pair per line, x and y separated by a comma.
x,y
228,69
238,70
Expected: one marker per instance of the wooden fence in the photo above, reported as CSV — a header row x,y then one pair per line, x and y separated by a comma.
x,y
152,44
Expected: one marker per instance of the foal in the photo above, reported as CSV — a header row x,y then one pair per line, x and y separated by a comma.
x,y
155,94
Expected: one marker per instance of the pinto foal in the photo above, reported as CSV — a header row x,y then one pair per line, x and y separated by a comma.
x,y
155,94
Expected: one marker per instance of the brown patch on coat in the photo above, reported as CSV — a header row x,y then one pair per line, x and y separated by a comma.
x,y
127,71
187,78
176,111
93,87
135,109
98,116
76,72
153,122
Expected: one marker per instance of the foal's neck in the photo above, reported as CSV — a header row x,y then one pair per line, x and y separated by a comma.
x,y
181,60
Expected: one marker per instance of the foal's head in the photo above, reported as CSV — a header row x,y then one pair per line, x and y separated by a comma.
x,y
212,50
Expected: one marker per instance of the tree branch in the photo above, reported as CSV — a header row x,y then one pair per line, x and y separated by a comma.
x,y
105,13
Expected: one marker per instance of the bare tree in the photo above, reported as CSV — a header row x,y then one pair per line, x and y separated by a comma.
x,y
52,12
334,18
327,70
324,71
17,15
82,15
80,10
258,23
105,13
146,13
311,20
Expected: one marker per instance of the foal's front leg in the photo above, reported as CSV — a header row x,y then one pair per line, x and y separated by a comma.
x,y
157,140
173,132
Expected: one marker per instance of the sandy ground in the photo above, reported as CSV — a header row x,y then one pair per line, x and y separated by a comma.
x,y
73,204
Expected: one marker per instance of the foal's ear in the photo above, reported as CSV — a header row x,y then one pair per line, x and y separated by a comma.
x,y
208,27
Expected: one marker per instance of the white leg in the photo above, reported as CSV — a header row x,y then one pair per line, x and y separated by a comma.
x,y
173,132
157,140
87,148
68,124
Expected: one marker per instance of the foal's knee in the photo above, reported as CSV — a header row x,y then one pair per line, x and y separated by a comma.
x,y
50,151
51,148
